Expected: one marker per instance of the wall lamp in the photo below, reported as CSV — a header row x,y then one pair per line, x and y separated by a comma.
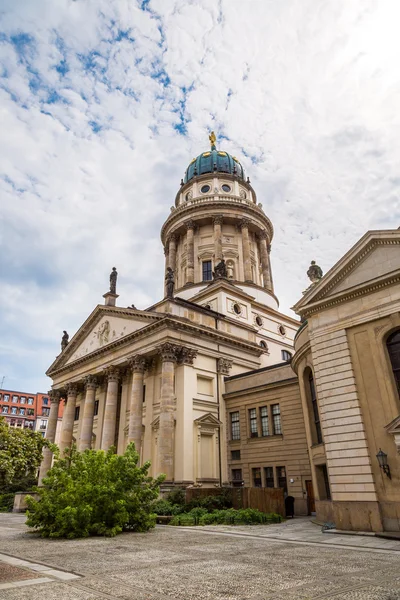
x,y
383,463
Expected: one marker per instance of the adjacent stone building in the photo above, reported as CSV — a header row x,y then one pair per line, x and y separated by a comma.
x,y
348,363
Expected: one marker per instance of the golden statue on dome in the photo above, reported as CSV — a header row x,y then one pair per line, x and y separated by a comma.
x,y
212,139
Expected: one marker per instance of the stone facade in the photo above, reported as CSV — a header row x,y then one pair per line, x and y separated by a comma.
x,y
342,349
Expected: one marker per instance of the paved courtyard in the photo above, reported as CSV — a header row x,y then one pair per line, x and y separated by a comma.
x,y
291,561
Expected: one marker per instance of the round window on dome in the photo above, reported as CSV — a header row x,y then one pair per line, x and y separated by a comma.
x,y
205,188
263,345
282,330
237,308
226,188
259,321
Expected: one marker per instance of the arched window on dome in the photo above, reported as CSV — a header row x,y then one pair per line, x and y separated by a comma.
x,y
393,346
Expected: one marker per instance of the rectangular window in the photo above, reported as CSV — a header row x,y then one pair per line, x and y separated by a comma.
x,y
144,394
12,422
276,419
235,426
96,408
237,475
30,400
269,477
315,410
286,355
45,412
235,454
264,421
45,401
253,422
22,400
30,412
6,397
326,482
13,410
22,411
76,417
256,477
281,474
5,409
207,270
15,398
43,424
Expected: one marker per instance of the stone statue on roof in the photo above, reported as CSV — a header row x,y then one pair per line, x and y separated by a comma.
x,y
220,270
169,282
113,280
64,340
314,272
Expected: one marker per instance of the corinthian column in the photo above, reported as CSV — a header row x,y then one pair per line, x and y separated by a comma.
x,y
166,253
172,251
85,440
244,225
137,364
110,411
217,221
50,433
190,252
169,354
67,426
265,264
269,267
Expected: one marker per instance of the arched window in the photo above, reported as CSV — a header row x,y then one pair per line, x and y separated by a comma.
x,y
393,346
314,404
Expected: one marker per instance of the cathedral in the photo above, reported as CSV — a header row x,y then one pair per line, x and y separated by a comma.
x,y
155,377
215,386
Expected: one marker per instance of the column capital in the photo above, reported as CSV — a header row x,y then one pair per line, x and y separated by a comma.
x,y
112,373
171,238
244,223
224,366
90,382
190,224
218,219
55,396
262,235
137,363
72,389
168,352
187,355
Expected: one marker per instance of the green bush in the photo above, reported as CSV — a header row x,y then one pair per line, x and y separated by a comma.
x,y
164,508
176,497
248,516
6,502
94,493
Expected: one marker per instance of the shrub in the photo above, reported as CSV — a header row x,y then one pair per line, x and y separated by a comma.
x,y
176,497
94,493
164,508
6,502
248,516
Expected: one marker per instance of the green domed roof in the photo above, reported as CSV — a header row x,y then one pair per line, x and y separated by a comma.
x,y
214,161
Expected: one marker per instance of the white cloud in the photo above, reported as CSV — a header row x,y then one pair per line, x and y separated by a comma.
x,y
91,94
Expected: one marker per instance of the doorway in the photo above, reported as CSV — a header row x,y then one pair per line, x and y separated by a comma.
x,y
310,497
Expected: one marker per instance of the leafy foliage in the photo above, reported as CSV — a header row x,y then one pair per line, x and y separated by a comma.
x,y
247,516
6,502
176,497
164,508
20,452
95,493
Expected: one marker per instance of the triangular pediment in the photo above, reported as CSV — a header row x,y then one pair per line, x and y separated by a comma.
x,y
374,260
209,420
103,327
394,426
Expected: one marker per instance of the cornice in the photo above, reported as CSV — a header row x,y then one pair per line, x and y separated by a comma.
x,y
351,294
220,204
260,388
167,322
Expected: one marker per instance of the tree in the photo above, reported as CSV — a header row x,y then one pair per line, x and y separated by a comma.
x,y
20,453
95,493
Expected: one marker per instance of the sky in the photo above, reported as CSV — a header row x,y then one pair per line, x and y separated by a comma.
x,y
103,103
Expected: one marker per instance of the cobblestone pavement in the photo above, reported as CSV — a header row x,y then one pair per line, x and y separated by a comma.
x,y
291,561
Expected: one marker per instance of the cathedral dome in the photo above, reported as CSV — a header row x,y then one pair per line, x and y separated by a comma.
x,y
212,161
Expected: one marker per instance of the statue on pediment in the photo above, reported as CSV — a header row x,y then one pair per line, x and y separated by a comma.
x,y
314,273
113,280
64,341
220,270
103,333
